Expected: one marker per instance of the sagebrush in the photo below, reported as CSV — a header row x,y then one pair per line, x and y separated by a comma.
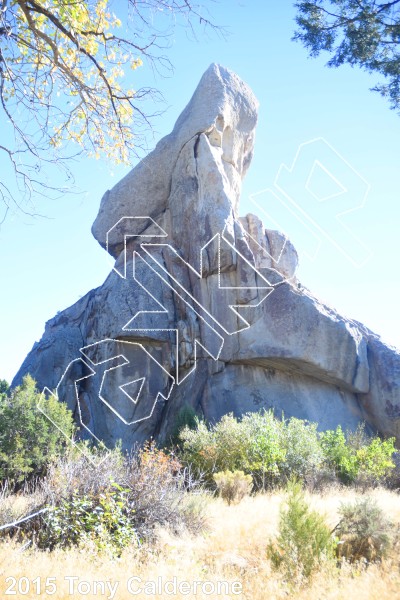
x,y
233,486
364,532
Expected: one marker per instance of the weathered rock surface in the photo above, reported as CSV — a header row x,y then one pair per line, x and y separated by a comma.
x,y
203,307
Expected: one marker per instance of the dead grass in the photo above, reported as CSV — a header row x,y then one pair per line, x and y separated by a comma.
x,y
232,549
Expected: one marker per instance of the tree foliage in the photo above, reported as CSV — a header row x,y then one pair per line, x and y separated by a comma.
x,y
360,33
64,83
29,441
4,389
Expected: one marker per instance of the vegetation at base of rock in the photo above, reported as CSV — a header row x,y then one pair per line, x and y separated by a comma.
x,y
273,450
304,540
369,462
106,520
109,506
29,440
95,498
186,417
233,486
364,532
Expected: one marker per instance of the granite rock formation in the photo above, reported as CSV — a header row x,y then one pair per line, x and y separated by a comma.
x,y
203,307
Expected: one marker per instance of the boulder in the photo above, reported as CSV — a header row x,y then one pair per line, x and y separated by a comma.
x,y
203,307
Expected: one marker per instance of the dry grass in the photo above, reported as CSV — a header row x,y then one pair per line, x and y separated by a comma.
x,y
232,549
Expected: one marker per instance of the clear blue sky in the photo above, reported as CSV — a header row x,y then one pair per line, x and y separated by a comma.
x,y
47,264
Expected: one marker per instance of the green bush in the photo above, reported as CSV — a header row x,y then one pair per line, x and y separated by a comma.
x,y
220,447
375,461
339,455
273,450
233,486
303,453
265,452
198,449
269,449
28,439
304,540
4,390
253,445
186,417
106,520
360,459
363,531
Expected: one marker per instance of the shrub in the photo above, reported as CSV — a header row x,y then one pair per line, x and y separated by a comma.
x,y
29,441
393,479
265,452
358,438
106,520
253,445
219,447
233,486
186,417
304,539
72,473
303,453
153,479
363,531
157,486
230,443
339,455
193,510
360,459
134,493
273,450
375,461
260,445
197,448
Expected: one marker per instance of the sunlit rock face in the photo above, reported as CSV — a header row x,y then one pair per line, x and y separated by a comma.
x,y
203,307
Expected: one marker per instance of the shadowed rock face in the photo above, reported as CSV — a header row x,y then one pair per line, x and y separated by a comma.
x,y
203,306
